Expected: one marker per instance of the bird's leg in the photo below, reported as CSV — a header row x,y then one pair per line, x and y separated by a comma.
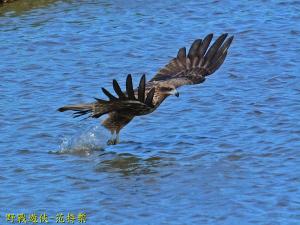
x,y
117,137
112,140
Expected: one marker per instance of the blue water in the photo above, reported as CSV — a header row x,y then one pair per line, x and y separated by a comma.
x,y
225,152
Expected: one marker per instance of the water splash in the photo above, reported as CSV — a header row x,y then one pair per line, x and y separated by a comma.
x,y
86,141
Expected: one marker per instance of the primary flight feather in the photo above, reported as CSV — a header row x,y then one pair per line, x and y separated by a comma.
x,y
186,69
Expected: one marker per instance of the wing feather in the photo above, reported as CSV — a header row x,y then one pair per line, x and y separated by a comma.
x,y
201,61
129,87
217,64
149,97
109,95
141,89
181,57
204,45
223,49
213,49
194,48
118,90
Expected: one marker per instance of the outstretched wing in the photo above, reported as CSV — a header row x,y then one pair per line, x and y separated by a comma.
x,y
200,62
132,102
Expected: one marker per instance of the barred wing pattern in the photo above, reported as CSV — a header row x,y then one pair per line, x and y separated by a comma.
x,y
200,62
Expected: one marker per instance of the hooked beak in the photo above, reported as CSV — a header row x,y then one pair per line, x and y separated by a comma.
x,y
174,92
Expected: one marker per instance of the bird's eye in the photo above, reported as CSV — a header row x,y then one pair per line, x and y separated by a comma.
x,y
166,89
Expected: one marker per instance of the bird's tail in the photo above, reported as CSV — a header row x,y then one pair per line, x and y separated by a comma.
x,y
80,109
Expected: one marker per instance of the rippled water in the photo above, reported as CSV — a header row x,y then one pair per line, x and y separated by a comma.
x,y
225,152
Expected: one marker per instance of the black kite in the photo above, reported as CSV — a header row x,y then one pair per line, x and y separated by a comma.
x,y
185,69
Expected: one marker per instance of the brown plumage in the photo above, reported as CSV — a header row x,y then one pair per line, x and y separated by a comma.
x,y
185,69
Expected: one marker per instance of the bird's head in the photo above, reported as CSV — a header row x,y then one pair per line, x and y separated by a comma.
x,y
168,89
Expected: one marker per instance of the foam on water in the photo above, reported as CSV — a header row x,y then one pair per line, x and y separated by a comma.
x,y
86,141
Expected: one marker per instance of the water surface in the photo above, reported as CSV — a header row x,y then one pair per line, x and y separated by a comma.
x,y
225,152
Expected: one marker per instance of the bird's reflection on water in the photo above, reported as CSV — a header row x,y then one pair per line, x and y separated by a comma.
x,y
124,163
128,164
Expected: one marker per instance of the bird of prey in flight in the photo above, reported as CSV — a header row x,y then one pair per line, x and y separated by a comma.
x,y
189,68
